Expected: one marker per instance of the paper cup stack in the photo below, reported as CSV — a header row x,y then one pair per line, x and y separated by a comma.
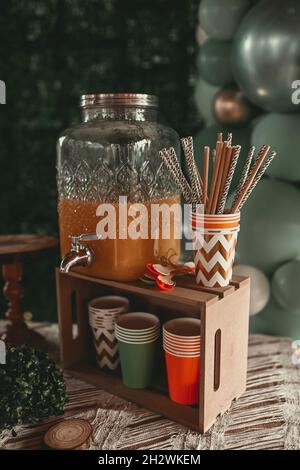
x,y
215,238
103,312
137,334
181,343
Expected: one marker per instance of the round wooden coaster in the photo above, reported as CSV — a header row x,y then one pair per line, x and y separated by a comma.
x,y
69,434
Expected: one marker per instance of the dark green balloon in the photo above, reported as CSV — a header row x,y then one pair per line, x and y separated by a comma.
x,y
285,286
204,98
266,54
281,131
208,136
274,320
214,62
270,226
220,18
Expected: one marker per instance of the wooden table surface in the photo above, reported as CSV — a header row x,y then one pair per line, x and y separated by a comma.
x,y
19,248
267,416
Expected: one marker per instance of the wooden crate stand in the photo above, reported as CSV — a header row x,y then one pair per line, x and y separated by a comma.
x,y
224,314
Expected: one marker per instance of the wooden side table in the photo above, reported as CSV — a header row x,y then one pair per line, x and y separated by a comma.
x,y
14,251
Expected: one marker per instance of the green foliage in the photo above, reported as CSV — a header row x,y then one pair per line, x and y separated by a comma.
x,y
31,387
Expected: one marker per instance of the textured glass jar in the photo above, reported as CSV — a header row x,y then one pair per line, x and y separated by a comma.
x,y
113,153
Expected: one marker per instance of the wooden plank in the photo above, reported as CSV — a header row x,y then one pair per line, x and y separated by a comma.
x,y
238,281
221,291
189,283
63,293
74,349
185,295
147,398
231,317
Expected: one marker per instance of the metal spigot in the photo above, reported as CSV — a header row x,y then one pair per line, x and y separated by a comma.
x,y
79,255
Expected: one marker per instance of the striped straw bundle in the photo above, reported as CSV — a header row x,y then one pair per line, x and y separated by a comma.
x,y
212,188
215,231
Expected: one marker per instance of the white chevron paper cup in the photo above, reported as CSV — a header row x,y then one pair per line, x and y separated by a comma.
x,y
103,313
106,347
215,238
109,305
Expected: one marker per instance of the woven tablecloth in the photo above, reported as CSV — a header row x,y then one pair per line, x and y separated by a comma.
x,y
267,416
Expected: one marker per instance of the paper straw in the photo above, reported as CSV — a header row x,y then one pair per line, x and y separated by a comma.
x,y
205,174
233,163
255,168
227,162
196,183
213,155
257,178
218,179
229,138
220,137
245,172
174,160
219,150
177,175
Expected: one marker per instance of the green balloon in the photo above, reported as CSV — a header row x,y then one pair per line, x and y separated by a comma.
x,y
220,18
285,286
208,136
281,131
204,97
274,320
270,226
214,62
266,54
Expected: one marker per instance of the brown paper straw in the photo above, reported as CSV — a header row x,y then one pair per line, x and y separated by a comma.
x,y
213,155
227,162
220,137
245,172
177,175
233,163
257,178
205,174
219,179
255,168
219,150
196,182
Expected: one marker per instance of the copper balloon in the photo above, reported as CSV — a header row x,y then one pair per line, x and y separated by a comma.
x,y
231,107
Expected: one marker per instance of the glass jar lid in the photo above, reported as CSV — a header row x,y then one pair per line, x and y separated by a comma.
x,y
119,99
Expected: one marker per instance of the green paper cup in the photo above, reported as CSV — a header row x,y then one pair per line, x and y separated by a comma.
x,y
126,334
137,322
137,363
140,339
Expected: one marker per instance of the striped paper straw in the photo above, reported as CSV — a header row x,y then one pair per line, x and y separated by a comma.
x,y
177,175
196,182
257,178
245,172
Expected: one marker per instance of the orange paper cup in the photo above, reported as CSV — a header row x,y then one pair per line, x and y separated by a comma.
x,y
183,378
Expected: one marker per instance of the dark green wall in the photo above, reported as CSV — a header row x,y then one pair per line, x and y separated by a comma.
x,y
50,53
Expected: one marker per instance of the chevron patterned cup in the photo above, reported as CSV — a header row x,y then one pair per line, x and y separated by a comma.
x,y
214,238
103,313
